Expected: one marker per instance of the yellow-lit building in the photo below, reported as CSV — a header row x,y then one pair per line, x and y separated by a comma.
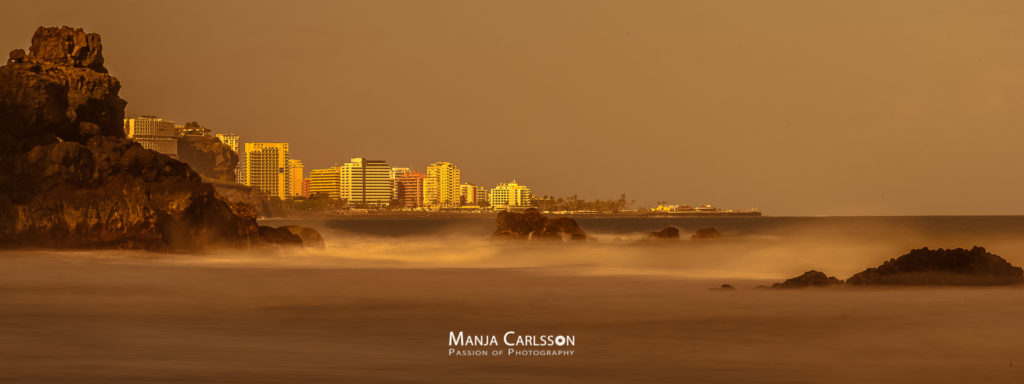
x,y
442,186
325,182
468,194
266,168
153,133
366,182
512,194
295,176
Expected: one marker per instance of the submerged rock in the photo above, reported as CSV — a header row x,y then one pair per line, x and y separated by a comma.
x,y
706,233
70,178
810,278
665,233
532,225
942,267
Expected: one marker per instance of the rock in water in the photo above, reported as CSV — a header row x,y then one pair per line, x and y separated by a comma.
x,y
706,233
810,278
208,156
942,267
532,225
665,233
310,237
70,179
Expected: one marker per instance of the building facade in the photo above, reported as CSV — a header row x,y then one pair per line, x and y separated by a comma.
x,y
366,183
305,188
396,172
482,196
266,168
506,195
410,189
295,177
153,133
325,182
467,194
442,186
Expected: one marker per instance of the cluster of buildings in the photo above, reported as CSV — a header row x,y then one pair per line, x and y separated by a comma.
x,y
361,182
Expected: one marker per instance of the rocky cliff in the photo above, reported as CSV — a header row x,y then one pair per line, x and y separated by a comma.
x,y
208,156
70,178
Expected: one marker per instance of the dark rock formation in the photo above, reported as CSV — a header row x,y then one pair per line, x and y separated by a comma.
x,y
810,278
208,156
942,267
665,233
706,233
310,237
724,287
69,177
59,91
242,194
532,225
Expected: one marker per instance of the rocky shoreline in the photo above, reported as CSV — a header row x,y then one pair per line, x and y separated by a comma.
x,y
72,180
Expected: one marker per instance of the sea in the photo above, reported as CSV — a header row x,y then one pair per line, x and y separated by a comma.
x,y
382,301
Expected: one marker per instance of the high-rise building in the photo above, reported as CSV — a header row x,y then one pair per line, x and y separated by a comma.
x,y
467,194
482,196
295,177
266,168
153,133
410,189
512,194
325,182
231,140
441,187
305,188
366,182
396,172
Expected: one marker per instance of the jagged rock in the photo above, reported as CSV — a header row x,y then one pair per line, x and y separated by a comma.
x,y
208,156
310,237
532,225
42,101
942,267
706,233
71,180
69,47
810,278
665,233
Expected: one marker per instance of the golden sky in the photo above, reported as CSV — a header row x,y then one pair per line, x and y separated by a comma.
x,y
797,107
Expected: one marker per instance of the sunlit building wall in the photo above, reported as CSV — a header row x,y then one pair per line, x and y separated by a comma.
x,y
325,182
295,177
510,195
366,182
153,133
266,168
442,186
410,189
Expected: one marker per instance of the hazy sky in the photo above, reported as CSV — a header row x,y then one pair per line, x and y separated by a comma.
x,y
797,107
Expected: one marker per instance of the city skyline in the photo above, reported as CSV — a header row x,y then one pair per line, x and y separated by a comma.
x,y
795,108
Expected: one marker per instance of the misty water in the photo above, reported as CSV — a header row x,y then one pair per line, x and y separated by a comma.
x,y
377,305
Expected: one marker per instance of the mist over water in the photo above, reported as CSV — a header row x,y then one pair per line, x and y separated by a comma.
x,y
377,304
753,248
